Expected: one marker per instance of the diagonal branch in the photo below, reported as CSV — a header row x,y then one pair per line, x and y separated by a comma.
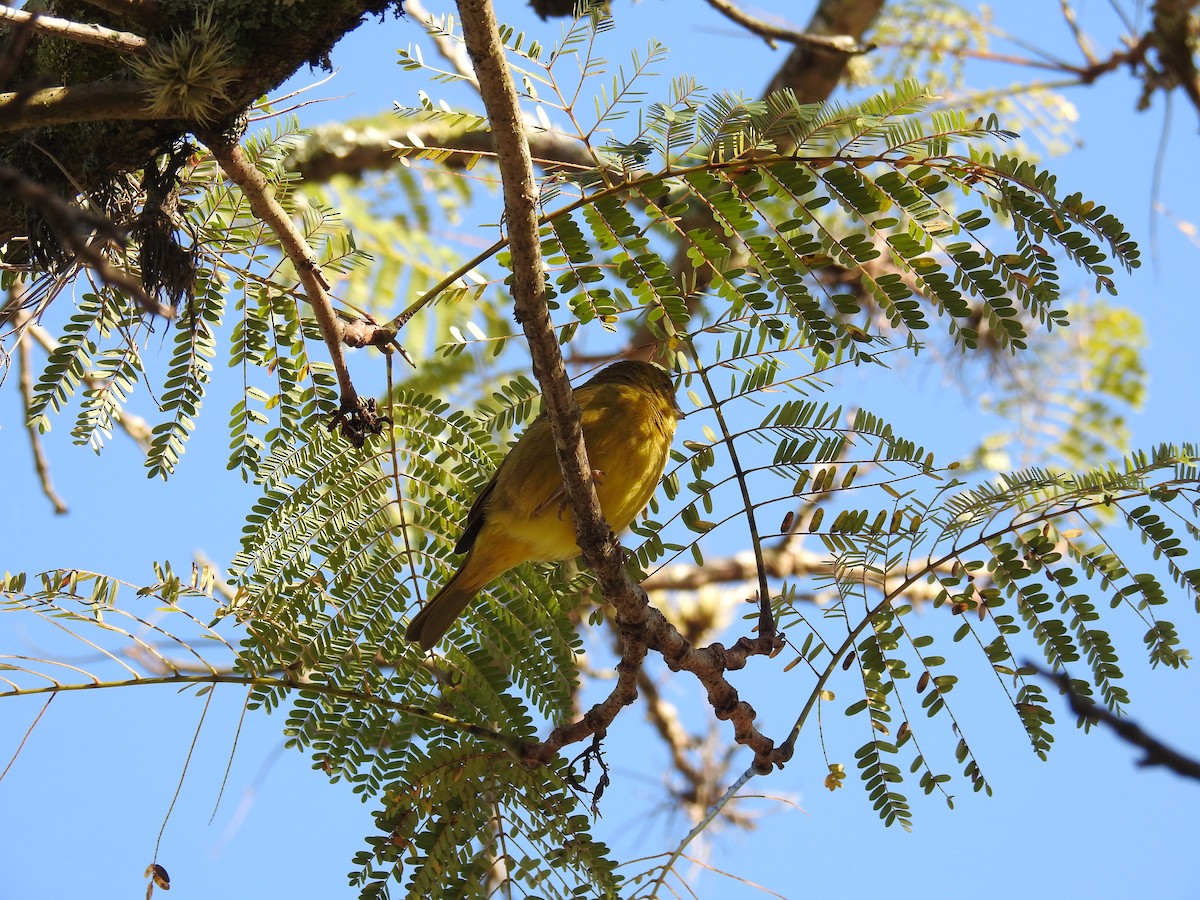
x,y
1157,753
355,418
599,546
838,43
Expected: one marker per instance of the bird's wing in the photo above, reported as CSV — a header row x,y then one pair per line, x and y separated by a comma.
x,y
500,490
476,515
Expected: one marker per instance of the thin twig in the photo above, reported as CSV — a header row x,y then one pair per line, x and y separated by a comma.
x,y
285,682
40,465
766,621
187,761
232,752
28,732
839,43
123,41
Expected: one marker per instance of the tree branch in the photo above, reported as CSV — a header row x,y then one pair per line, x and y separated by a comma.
x,y
122,41
640,626
482,37
352,150
783,562
1157,753
838,43
99,101
40,465
263,204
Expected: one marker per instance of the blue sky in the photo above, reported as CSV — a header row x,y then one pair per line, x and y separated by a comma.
x,y
84,802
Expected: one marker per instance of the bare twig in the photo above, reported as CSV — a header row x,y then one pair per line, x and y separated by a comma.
x,y
28,732
124,41
839,43
25,380
1157,753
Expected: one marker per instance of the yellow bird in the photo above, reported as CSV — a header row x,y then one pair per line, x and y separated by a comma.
x,y
629,414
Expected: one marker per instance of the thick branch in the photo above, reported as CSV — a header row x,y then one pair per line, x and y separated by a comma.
x,y
813,71
596,539
100,101
640,626
356,149
116,133
88,34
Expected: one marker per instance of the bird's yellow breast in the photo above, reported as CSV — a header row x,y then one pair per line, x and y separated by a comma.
x,y
628,436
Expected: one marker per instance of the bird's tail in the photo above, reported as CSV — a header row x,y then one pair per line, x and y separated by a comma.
x,y
442,609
